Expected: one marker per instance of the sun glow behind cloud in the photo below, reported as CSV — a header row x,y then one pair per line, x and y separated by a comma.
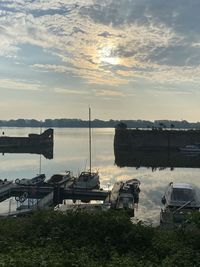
x,y
105,55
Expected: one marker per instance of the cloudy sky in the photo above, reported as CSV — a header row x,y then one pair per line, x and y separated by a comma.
x,y
127,59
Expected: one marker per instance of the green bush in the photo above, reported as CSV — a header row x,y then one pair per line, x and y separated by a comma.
x,y
105,239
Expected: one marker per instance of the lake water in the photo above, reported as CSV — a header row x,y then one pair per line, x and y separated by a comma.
x,y
71,152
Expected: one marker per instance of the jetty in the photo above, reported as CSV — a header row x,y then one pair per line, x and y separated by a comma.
x,y
41,144
51,195
31,141
154,139
48,195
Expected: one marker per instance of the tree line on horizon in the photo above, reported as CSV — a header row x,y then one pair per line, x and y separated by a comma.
x,y
96,123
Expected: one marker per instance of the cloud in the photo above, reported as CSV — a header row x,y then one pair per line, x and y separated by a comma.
x,y
20,85
69,91
53,68
111,43
109,93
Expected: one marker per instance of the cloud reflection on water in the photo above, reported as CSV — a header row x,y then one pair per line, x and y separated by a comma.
x,y
71,153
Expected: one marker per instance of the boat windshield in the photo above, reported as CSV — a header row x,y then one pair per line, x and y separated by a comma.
x,y
182,194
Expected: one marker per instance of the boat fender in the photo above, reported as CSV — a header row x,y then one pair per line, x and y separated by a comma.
x,y
17,198
17,181
23,197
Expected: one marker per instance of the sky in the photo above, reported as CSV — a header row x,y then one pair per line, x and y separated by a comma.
x,y
126,59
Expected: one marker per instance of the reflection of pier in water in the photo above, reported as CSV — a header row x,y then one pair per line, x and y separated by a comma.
x,y
156,159
46,151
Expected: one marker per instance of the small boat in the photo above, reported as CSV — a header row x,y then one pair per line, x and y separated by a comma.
x,y
178,200
4,183
195,148
60,178
128,194
37,180
86,180
124,196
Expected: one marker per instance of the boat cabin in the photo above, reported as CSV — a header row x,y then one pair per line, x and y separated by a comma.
x,y
87,180
86,176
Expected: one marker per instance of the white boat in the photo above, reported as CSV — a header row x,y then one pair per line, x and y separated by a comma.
x,y
37,180
4,183
178,200
195,148
60,178
124,194
87,180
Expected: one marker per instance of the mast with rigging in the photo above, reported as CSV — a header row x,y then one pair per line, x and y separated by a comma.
x,y
90,141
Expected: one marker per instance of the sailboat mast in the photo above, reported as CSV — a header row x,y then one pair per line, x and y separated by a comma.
x,y
90,140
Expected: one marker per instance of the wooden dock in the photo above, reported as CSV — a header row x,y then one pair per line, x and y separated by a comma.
x,y
49,195
52,195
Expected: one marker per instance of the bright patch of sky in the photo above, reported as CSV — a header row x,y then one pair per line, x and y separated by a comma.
x,y
127,59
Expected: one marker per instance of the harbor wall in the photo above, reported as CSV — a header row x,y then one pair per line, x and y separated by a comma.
x,y
128,139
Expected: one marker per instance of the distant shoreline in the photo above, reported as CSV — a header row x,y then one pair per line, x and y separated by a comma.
x,y
78,123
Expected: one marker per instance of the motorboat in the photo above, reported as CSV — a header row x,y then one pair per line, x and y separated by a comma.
x,y
195,148
86,180
181,194
179,199
4,183
125,195
133,185
37,180
60,178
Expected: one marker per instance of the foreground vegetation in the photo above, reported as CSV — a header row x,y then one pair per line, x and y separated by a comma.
x,y
89,240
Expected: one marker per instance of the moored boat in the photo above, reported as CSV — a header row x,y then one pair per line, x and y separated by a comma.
x,y
128,194
125,196
4,183
37,180
179,199
86,180
60,178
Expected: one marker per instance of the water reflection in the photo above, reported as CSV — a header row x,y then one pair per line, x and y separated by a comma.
x,y
71,153
156,159
46,151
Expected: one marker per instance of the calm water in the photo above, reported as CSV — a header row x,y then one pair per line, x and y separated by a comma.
x,y
71,153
